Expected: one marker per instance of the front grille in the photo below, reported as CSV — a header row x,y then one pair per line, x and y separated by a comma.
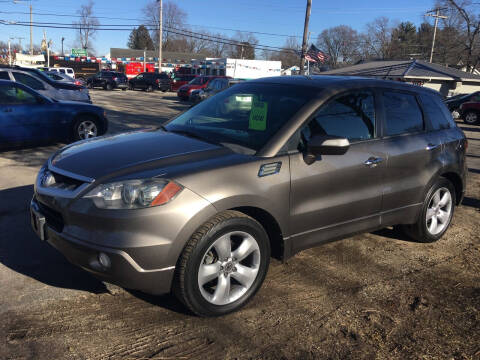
x,y
53,218
63,182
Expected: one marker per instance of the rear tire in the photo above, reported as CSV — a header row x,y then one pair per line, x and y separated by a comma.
x,y
109,87
149,88
471,117
223,264
436,214
124,89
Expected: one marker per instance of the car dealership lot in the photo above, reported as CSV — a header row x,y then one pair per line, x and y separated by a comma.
x,y
370,295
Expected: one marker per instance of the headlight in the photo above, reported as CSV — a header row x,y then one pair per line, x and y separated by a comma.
x,y
134,194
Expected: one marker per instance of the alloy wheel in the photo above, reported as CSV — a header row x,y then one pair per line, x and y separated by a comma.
x,y
229,268
439,211
87,129
471,118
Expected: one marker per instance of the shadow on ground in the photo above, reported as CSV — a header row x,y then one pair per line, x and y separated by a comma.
x,y
22,251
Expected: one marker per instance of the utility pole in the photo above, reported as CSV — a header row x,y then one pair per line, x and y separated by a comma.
x,y
160,34
305,34
20,42
9,52
63,39
31,30
144,59
436,16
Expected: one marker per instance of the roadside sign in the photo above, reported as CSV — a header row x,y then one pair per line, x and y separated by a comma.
x,y
79,52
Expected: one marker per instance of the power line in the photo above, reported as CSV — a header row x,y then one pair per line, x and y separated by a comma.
x,y
169,30
141,22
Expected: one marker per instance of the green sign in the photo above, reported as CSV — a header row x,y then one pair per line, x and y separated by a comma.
x,y
258,116
79,52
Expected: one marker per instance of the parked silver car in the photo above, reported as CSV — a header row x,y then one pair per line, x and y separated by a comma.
x,y
268,166
61,77
40,82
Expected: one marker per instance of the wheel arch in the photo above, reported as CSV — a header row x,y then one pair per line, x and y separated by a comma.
x,y
457,183
271,226
91,115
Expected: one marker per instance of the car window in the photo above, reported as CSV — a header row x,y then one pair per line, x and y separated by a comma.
x,y
212,85
140,77
4,75
69,71
12,95
350,116
402,113
28,80
62,71
434,112
475,98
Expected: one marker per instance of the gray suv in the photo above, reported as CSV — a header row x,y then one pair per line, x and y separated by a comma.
x,y
267,167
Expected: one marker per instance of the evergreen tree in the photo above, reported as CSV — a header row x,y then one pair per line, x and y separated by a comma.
x,y
140,39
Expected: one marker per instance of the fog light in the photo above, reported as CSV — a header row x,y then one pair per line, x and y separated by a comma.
x,y
104,260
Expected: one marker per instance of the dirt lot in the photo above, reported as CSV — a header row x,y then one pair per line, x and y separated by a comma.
x,y
376,295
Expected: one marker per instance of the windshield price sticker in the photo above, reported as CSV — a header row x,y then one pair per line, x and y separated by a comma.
x,y
258,116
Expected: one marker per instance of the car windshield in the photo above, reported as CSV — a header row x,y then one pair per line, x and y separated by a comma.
x,y
198,81
247,114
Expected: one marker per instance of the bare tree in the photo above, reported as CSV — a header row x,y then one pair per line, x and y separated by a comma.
x,y
87,25
340,43
173,24
375,42
468,22
289,54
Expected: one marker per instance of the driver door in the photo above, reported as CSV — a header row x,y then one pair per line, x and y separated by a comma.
x,y
338,195
22,117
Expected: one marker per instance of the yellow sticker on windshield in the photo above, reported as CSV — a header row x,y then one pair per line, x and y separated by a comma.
x,y
258,116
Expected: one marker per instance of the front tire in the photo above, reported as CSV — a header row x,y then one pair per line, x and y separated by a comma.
x,y
223,264
471,117
85,128
149,88
436,215
108,87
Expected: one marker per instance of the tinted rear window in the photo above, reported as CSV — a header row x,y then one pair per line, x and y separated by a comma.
x,y
402,113
434,112
4,75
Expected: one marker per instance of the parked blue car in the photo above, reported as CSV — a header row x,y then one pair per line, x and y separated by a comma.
x,y
29,117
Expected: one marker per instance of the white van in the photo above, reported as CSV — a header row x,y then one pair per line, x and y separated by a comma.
x,y
63,70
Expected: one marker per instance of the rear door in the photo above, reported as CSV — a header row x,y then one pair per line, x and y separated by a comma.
x,y
414,155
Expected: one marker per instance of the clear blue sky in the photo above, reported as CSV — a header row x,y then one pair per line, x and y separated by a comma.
x,y
273,16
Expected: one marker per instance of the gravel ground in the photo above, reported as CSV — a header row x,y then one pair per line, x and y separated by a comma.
x,y
375,295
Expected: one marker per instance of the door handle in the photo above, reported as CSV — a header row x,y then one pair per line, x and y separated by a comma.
x,y
432,146
373,161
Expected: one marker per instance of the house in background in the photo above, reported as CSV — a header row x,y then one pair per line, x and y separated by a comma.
x,y
447,80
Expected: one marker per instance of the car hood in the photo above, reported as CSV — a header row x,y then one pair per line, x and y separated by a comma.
x,y
122,154
79,105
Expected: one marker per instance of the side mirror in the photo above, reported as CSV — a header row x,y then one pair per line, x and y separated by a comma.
x,y
325,145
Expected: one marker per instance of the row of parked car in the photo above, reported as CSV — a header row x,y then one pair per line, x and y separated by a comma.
x,y
37,108
466,107
188,87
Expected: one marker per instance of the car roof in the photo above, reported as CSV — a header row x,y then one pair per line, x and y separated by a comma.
x,y
323,81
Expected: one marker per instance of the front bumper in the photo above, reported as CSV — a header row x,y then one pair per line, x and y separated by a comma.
x,y
142,245
123,270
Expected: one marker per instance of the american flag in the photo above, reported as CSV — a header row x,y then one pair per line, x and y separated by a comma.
x,y
315,55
